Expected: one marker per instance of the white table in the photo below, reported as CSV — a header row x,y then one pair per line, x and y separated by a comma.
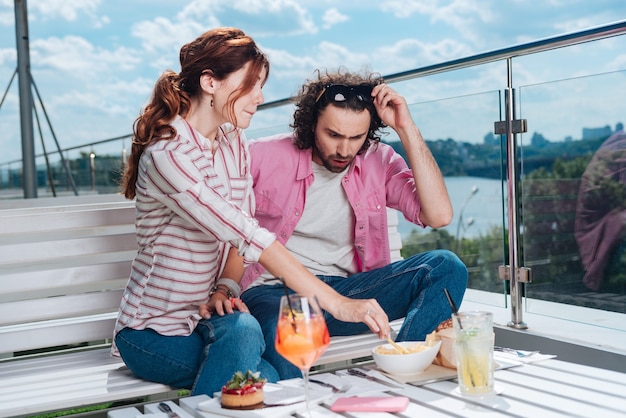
x,y
549,388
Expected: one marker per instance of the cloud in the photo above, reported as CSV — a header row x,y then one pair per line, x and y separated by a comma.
x,y
413,53
619,62
454,12
107,96
163,34
288,18
69,10
7,13
330,55
8,56
465,16
75,56
50,10
332,17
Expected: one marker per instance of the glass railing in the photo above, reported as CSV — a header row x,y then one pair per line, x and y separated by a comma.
x,y
94,168
569,116
574,192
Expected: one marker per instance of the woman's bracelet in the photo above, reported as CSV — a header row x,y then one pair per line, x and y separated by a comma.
x,y
219,288
232,286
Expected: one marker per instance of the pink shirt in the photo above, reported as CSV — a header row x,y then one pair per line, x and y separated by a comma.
x,y
375,180
192,206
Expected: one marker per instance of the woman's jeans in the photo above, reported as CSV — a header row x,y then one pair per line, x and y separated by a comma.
x,y
203,361
410,289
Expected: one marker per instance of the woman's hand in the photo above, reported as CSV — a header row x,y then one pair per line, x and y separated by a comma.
x,y
367,311
281,263
221,305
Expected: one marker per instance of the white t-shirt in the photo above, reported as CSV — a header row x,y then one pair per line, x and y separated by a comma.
x,y
323,239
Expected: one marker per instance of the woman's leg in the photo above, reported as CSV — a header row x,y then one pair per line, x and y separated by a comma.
x,y
202,361
264,302
235,342
171,360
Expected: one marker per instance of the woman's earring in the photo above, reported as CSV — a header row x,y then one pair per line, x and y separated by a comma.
x,y
211,103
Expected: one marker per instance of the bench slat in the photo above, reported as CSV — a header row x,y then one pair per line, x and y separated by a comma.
x,y
51,252
71,306
48,283
77,379
77,261
77,219
56,333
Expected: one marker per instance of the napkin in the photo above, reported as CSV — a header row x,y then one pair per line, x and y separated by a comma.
x,y
525,357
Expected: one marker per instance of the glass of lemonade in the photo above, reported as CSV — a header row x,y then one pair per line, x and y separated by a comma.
x,y
474,337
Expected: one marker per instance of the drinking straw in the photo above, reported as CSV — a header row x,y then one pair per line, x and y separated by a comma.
x,y
293,314
452,306
458,320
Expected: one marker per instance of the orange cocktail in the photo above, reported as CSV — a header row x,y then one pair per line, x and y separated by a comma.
x,y
302,340
301,334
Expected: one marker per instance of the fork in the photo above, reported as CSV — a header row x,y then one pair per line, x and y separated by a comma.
x,y
514,351
335,389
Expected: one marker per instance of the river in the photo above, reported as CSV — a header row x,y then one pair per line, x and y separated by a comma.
x,y
480,210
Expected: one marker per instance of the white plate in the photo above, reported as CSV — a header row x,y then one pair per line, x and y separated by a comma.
x,y
272,393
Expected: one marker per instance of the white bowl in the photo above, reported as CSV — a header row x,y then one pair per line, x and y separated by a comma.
x,y
411,363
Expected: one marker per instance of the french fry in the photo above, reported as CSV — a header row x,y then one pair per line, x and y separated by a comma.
x,y
407,350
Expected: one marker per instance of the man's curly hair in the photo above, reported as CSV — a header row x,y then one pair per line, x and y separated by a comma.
x,y
308,107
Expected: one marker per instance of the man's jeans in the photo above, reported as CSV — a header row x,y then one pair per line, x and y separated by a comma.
x,y
410,289
203,361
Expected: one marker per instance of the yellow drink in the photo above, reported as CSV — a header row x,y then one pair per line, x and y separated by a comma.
x,y
474,352
475,364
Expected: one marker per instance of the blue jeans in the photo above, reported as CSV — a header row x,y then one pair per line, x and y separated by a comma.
x,y
410,289
203,361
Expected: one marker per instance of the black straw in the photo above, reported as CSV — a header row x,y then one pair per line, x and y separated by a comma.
x,y
293,314
450,301
452,306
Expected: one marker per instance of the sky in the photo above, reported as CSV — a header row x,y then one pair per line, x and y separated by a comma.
x,y
94,62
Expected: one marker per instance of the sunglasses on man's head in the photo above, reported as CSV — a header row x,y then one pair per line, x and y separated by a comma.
x,y
342,93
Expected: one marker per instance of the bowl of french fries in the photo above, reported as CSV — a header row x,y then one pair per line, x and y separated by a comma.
x,y
406,357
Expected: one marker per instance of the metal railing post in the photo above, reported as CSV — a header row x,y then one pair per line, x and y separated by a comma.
x,y
516,274
29,170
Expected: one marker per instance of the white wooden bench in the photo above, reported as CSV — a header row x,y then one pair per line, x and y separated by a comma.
x,y
64,263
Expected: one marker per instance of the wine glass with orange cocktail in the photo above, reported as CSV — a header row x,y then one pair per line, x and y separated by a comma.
x,y
301,335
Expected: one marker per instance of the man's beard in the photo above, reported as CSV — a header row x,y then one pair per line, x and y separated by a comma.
x,y
326,162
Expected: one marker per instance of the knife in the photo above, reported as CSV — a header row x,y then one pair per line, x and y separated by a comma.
x,y
166,408
356,372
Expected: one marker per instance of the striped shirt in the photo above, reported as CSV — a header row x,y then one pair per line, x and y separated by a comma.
x,y
191,207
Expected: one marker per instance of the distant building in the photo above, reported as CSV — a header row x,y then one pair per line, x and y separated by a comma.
x,y
538,140
596,133
491,139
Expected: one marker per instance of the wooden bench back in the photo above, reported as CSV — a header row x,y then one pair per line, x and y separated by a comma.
x,y
64,263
